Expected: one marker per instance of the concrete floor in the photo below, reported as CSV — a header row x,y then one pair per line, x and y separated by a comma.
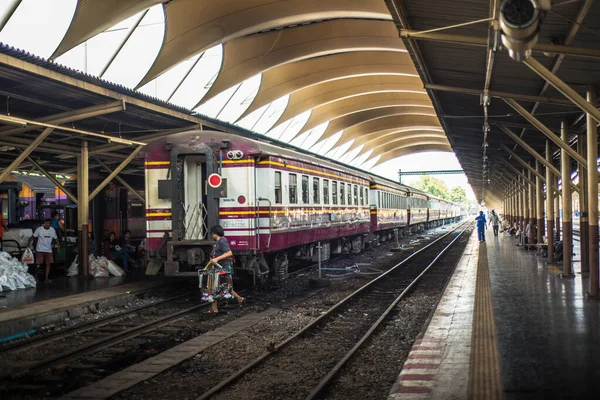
x,y
548,332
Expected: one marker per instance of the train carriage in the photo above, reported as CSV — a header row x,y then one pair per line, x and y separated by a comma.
x,y
274,203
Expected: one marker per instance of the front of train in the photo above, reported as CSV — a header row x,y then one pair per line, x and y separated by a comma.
x,y
188,177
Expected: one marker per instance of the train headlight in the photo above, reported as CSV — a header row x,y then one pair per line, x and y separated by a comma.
x,y
520,24
230,155
239,154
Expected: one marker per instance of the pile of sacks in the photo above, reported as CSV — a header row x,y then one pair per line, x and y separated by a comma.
x,y
13,274
99,267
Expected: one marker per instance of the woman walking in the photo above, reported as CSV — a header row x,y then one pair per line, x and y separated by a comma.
x,y
222,255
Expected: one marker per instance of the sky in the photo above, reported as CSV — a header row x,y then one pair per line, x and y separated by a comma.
x,y
38,26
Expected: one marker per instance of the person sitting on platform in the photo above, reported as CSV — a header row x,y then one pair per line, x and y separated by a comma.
x,y
126,243
57,224
114,251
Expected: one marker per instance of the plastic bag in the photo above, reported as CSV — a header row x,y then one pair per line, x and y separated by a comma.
x,y
28,257
101,272
114,269
74,268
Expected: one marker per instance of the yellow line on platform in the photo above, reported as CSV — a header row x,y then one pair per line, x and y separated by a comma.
x,y
485,375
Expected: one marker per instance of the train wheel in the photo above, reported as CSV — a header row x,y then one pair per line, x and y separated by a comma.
x,y
280,266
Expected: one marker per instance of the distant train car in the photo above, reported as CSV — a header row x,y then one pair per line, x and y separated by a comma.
x,y
274,203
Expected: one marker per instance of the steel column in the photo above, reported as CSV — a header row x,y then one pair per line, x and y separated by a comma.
x,y
53,179
584,230
567,224
592,178
532,215
562,87
83,207
122,181
549,205
557,210
539,204
526,201
26,152
116,171
544,129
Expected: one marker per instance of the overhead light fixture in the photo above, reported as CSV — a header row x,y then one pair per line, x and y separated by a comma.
x,y
520,24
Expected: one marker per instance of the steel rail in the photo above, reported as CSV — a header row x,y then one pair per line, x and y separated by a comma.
x,y
100,344
316,321
333,372
59,334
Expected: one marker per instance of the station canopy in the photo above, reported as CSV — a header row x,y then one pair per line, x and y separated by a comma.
x,y
329,76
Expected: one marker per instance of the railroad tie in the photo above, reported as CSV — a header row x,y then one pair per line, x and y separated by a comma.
x,y
485,372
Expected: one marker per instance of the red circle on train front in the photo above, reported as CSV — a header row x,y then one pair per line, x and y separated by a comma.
x,y
215,180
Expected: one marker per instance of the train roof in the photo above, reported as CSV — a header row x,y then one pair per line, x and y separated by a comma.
x,y
253,144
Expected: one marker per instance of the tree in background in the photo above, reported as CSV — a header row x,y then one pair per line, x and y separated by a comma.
x,y
432,186
458,195
438,188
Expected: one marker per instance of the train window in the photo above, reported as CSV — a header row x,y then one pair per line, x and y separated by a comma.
x,y
334,192
316,191
355,195
293,189
277,187
367,201
349,194
362,197
325,191
342,193
305,196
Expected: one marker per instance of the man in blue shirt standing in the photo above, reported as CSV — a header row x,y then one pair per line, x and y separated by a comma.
x,y
481,226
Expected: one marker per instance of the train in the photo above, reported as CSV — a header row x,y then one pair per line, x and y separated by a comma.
x,y
276,204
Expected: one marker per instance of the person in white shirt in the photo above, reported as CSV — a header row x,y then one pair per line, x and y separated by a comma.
x,y
45,235
495,222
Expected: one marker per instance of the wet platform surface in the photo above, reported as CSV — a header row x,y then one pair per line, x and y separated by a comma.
x,y
548,332
544,331
62,286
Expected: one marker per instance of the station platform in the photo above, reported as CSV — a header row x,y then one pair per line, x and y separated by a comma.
x,y
508,326
67,297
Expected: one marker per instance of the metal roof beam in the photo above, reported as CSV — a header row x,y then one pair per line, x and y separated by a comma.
x,y
522,162
547,132
531,151
35,143
562,87
115,172
483,41
52,179
493,93
70,116
121,181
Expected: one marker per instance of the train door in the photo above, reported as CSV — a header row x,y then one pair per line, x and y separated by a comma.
x,y
194,207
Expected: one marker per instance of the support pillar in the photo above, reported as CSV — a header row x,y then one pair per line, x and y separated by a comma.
x,y
557,208
525,202
592,178
549,204
532,221
583,209
567,211
539,204
83,207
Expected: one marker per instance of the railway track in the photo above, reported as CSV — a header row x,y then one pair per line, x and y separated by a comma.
x,y
56,362
344,327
